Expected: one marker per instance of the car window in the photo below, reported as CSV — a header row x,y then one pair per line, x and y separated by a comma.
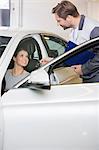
x,y
3,43
66,75
32,46
54,44
62,74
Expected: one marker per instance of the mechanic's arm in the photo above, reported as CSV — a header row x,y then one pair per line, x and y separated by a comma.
x,y
89,67
93,64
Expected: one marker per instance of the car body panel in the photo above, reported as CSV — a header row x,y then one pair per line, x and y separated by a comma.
x,y
53,117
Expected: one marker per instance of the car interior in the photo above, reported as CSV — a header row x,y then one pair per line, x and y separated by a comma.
x,y
63,75
31,46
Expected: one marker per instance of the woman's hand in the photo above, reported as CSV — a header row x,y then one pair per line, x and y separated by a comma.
x,y
45,60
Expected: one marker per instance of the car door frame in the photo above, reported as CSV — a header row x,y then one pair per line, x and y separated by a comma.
x,y
1,125
9,51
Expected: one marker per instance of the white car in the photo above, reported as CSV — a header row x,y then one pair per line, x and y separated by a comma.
x,y
40,114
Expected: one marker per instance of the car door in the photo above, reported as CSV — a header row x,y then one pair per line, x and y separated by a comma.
x,y
65,117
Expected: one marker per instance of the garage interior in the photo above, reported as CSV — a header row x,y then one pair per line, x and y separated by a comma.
x,y
36,14
51,108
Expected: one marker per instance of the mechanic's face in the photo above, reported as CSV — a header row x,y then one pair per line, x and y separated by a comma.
x,y
22,58
64,23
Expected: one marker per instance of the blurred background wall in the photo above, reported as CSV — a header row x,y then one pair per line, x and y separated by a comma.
x,y
36,14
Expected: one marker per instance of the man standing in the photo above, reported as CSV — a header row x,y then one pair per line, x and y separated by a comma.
x,y
83,29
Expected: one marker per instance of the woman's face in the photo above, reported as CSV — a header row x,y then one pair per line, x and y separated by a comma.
x,y
22,58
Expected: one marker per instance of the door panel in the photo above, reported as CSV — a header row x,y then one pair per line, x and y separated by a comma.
x,y
1,126
51,120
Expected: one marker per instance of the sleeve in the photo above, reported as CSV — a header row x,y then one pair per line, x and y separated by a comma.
x,y
93,64
94,33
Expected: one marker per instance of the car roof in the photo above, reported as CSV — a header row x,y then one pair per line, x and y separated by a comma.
x,y
10,32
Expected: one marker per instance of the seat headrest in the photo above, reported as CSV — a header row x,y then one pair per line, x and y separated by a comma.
x,y
27,44
32,65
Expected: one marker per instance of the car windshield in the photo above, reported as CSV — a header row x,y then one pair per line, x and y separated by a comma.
x,y
4,40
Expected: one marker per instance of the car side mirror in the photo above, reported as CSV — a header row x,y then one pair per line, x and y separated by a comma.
x,y
39,79
53,53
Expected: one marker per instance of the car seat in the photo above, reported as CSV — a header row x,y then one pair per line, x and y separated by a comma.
x,y
32,65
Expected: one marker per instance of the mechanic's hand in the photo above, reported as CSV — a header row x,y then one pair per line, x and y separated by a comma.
x,y
77,69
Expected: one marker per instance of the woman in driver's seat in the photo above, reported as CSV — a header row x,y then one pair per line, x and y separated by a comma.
x,y
18,72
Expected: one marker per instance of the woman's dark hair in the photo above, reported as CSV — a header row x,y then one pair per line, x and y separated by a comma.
x,y
18,50
65,8
11,65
